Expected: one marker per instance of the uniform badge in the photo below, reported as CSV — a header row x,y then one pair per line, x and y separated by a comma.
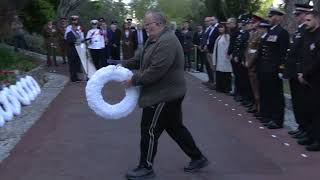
x,y
298,36
312,46
272,38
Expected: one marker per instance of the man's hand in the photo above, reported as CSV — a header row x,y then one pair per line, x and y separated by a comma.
x,y
301,79
236,59
127,83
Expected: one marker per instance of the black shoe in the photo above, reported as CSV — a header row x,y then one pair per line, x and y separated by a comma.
x,y
257,115
252,110
300,135
273,125
314,146
238,98
140,173
305,141
293,132
264,120
196,165
247,104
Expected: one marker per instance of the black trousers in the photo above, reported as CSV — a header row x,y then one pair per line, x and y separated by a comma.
x,y
244,86
164,116
271,96
223,81
236,72
98,57
299,103
209,70
74,66
115,53
200,59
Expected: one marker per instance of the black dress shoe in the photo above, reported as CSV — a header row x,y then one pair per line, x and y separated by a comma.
x,y
140,173
264,120
305,141
257,114
248,105
315,146
196,165
273,125
293,132
299,135
238,98
252,110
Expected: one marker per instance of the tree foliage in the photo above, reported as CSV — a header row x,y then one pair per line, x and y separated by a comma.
x,y
175,10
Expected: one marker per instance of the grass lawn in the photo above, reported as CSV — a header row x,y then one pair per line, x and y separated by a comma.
x,y
12,61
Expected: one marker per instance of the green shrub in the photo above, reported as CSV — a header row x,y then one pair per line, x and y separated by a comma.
x,y
14,61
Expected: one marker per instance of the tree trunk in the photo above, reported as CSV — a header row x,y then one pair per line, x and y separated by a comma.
x,y
66,6
289,22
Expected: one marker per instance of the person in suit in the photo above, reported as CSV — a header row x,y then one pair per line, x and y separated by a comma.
x,y
292,66
139,38
213,34
310,77
107,34
197,38
115,41
74,37
272,53
127,42
207,43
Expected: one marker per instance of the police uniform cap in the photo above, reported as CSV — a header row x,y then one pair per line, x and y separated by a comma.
x,y
264,24
102,19
275,12
255,18
300,8
74,17
94,21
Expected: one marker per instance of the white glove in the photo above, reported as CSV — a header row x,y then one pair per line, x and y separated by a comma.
x,y
280,75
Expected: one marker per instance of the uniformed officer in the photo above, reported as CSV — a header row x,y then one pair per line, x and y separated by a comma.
x,y
271,54
251,57
292,66
238,59
96,44
310,77
50,35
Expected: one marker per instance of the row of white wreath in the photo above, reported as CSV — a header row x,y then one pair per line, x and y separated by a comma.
x,y
14,96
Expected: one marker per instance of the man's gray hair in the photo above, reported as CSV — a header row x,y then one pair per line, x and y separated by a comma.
x,y
158,17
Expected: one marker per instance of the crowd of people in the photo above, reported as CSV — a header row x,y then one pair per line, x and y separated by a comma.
x,y
259,53
246,57
104,43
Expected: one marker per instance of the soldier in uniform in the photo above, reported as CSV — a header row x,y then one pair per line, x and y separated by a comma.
x,y
310,77
271,54
50,35
292,65
251,57
61,41
238,59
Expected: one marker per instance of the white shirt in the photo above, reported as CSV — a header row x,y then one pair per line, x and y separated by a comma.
x,y
96,39
69,28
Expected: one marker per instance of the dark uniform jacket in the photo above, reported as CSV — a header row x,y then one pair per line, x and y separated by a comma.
x,y
311,58
233,37
161,73
240,45
72,39
273,49
293,61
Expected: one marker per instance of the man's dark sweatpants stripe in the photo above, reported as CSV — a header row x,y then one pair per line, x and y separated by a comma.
x,y
164,116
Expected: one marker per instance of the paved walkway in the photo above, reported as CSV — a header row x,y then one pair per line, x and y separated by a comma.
x,y
70,142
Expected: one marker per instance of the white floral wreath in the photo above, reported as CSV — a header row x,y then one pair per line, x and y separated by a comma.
x,y
95,98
